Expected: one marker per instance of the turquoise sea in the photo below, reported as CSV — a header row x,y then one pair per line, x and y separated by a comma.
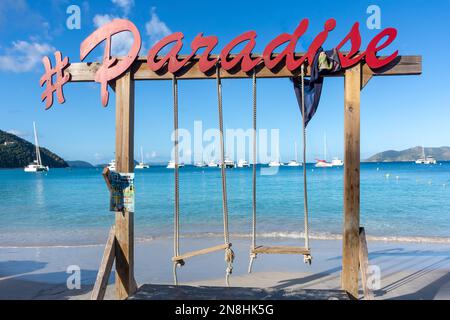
x,y
399,201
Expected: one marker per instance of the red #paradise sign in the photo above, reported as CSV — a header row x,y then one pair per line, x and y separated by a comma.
x,y
111,67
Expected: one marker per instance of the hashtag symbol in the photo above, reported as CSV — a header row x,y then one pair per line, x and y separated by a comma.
x,y
61,79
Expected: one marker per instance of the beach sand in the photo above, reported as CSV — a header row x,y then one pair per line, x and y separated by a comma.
x,y
407,270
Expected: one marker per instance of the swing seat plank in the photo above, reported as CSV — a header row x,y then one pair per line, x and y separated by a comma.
x,y
201,252
281,250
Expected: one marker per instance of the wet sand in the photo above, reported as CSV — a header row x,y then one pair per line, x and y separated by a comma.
x,y
407,270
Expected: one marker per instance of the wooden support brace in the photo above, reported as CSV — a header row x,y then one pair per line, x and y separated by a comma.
x,y
98,293
364,264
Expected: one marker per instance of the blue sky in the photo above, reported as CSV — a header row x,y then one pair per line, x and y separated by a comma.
x,y
396,112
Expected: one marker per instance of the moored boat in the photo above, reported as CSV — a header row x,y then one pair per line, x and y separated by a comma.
x,y
36,165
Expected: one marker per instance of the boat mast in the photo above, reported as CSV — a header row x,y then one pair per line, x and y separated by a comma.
x,y
325,147
296,155
142,155
36,142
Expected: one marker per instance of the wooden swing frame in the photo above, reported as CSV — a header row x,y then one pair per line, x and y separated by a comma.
x,y
120,247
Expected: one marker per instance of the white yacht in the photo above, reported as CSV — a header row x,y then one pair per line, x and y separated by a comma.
x,y
36,165
229,163
213,164
112,166
141,164
171,165
336,162
275,164
200,164
294,163
323,164
243,164
426,159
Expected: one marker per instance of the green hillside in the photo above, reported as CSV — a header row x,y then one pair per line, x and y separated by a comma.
x,y
16,152
412,154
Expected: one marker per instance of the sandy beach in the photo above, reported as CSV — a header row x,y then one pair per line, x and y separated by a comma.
x,y
408,270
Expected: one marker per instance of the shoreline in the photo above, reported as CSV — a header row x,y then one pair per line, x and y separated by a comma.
x,y
41,272
276,236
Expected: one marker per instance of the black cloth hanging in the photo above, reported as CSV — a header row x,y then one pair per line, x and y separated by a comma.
x,y
324,62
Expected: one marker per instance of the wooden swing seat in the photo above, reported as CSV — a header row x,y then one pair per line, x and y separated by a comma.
x,y
281,250
201,252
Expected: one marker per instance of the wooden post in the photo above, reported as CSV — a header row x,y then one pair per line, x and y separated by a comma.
x,y
125,283
350,245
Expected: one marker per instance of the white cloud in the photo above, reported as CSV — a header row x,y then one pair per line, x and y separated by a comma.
x,y
156,29
24,56
122,42
125,5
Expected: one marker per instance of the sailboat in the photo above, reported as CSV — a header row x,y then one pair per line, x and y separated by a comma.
x,y
36,165
171,165
213,164
323,163
336,162
275,163
294,163
141,164
200,164
228,163
243,164
426,159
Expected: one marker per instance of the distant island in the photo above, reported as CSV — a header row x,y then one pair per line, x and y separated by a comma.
x,y
79,164
412,154
16,152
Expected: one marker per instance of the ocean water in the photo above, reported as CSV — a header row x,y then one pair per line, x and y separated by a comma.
x,y
399,201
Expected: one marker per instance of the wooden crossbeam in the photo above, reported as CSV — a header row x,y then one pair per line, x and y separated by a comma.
x,y
83,72
201,252
281,250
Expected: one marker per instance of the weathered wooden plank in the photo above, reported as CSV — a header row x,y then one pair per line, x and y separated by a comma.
x,y
201,252
364,264
125,283
350,254
98,293
403,65
281,250
169,292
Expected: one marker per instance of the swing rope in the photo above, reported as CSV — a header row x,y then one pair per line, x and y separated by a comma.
x,y
229,254
305,185
252,254
178,260
306,250
176,231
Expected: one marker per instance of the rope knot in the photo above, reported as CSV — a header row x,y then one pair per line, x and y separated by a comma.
x,y
229,259
229,255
